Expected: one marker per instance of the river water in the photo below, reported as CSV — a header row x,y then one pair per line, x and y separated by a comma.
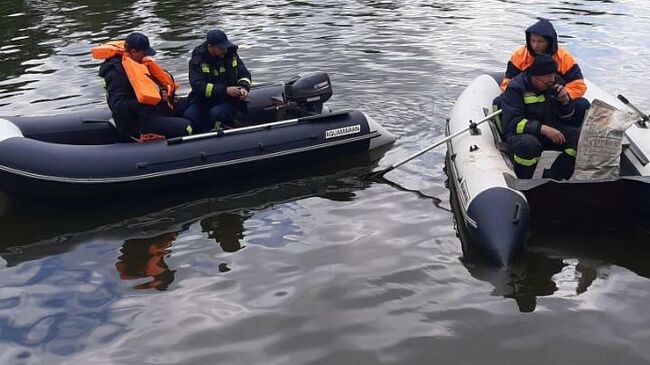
x,y
327,269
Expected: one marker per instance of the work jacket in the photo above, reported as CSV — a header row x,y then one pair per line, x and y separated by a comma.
x,y
525,109
567,67
210,76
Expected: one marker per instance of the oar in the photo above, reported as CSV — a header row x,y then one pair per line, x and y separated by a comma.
x,y
472,125
644,117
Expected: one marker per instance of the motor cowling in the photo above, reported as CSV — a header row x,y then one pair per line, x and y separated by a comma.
x,y
309,91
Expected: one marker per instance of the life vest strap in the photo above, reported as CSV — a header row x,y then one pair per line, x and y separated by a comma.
x,y
150,137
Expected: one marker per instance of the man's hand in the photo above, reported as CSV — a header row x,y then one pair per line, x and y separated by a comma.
x,y
164,95
244,94
553,134
562,94
233,91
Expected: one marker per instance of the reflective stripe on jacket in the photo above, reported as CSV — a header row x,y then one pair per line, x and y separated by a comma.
x,y
210,76
568,69
525,110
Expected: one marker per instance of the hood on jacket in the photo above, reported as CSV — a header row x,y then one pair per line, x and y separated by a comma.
x,y
544,28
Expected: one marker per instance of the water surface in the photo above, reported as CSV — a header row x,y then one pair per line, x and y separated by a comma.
x,y
324,269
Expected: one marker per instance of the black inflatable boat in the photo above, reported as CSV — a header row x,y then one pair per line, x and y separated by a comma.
x,y
286,126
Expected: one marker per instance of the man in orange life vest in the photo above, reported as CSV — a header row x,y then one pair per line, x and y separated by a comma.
x,y
139,93
220,83
541,37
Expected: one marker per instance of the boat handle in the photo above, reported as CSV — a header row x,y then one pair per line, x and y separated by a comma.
x,y
515,216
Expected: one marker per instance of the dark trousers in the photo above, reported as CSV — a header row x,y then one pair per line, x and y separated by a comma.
x,y
163,122
526,150
207,116
169,127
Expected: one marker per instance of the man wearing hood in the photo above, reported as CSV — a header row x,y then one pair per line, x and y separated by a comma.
x,y
220,83
537,117
541,37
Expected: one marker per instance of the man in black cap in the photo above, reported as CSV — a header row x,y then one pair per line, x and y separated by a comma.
x,y
133,117
220,83
137,45
537,115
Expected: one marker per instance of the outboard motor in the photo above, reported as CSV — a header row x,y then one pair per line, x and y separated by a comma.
x,y
301,96
309,92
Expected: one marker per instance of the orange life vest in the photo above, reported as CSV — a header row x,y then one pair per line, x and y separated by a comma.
x,y
146,78
522,59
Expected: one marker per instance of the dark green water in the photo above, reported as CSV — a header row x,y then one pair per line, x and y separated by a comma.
x,y
325,269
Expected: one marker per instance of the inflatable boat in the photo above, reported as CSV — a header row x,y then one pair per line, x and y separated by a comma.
x,y
494,209
285,126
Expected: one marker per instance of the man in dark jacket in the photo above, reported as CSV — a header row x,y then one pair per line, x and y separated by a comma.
x,y
538,114
220,83
541,37
131,117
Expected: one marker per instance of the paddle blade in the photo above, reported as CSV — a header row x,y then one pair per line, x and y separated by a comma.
x,y
376,175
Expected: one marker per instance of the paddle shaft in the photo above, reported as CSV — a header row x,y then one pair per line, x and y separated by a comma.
x,y
196,137
644,118
444,140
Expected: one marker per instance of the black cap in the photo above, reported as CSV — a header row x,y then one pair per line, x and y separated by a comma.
x,y
139,42
543,64
217,37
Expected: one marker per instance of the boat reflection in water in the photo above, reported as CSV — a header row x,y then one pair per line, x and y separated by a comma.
x,y
581,255
148,239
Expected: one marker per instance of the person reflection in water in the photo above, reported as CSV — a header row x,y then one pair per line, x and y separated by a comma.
x,y
535,281
145,257
531,279
227,229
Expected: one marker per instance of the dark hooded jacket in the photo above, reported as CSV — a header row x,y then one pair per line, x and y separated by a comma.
x,y
210,76
568,69
525,109
119,93
544,28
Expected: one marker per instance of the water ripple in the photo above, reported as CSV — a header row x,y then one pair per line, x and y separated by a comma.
x,y
321,270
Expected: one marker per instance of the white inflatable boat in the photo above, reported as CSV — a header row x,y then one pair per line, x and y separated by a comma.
x,y
494,209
